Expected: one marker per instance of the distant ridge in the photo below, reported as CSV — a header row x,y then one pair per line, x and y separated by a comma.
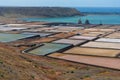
x,y
38,12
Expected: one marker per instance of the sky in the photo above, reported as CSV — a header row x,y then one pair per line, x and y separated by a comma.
x,y
62,3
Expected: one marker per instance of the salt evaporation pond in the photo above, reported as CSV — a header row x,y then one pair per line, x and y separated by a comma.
x,y
5,37
42,34
48,48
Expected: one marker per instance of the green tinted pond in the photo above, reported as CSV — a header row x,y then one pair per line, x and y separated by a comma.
x,y
5,37
48,48
42,34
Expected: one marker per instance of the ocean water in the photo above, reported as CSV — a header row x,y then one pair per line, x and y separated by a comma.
x,y
115,10
113,18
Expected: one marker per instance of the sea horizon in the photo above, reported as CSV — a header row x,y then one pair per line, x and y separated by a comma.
x,y
112,18
113,10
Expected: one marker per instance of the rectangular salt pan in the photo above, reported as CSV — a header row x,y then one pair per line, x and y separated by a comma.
x,y
114,35
48,48
69,41
4,37
97,30
102,45
91,34
83,37
96,61
93,52
42,34
108,40
45,29
6,28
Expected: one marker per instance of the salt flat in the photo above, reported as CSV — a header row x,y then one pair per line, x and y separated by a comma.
x,y
82,37
114,35
102,45
70,41
93,51
96,61
108,40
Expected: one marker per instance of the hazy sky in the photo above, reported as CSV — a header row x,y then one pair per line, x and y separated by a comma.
x,y
64,3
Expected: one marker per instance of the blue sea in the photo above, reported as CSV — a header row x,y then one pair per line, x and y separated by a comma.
x,y
115,10
94,15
